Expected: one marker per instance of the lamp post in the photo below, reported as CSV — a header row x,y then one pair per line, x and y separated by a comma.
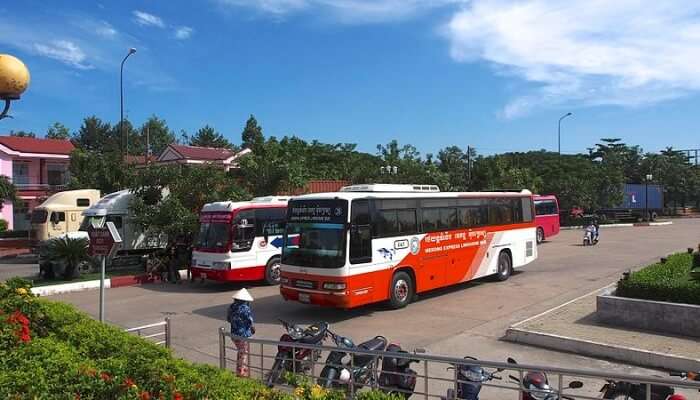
x,y
646,197
14,80
121,103
559,131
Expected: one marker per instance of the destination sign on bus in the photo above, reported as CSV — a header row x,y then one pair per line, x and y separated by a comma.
x,y
215,217
319,211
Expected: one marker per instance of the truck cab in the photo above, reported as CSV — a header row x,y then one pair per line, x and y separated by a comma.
x,y
61,213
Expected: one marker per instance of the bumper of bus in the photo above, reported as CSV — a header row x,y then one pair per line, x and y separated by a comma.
x,y
238,274
323,298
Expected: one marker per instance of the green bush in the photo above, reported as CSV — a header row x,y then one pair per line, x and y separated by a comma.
x,y
3,225
670,281
68,355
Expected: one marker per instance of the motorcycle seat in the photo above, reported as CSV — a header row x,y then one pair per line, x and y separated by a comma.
x,y
376,344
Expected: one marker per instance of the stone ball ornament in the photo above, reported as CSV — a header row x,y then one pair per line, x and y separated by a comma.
x,y
14,77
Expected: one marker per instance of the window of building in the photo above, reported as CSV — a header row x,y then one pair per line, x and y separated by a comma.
x,y
56,174
20,173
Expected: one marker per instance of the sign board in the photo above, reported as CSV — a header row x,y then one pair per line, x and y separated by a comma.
x,y
317,211
104,241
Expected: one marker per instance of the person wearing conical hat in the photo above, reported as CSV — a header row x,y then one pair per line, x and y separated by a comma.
x,y
240,316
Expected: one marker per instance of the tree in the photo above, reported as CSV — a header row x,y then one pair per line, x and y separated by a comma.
x,y
188,188
159,136
106,172
7,190
209,137
58,131
95,135
252,135
21,133
70,252
276,167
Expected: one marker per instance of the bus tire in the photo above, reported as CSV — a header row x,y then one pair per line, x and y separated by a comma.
x,y
505,266
401,290
272,271
540,235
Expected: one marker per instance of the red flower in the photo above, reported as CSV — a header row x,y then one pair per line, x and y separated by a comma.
x,y
144,396
105,377
177,396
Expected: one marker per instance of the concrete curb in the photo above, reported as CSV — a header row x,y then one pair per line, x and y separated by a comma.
x,y
630,225
110,283
68,287
601,350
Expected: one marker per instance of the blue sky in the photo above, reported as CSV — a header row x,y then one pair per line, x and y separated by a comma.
x,y
494,74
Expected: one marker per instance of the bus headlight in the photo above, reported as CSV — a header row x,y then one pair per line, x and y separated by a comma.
x,y
221,265
334,286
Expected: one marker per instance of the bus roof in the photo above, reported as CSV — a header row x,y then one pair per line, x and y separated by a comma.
x,y
229,206
68,199
414,195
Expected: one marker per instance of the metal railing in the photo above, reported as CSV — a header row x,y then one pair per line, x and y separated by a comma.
x,y
435,375
158,332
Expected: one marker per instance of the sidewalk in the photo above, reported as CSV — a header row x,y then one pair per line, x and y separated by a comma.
x,y
573,327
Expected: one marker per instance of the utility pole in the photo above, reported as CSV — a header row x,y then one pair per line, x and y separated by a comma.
x,y
469,166
148,142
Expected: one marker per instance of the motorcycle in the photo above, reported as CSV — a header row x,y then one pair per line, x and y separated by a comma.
x,y
296,359
620,390
397,377
535,386
470,378
340,370
590,238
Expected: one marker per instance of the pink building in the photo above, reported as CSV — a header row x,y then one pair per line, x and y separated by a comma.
x,y
37,168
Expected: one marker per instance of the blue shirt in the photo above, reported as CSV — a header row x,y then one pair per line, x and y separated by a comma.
x,y
240,316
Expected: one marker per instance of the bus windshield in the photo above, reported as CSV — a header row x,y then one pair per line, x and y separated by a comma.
x,y
315,233
213,235
314,245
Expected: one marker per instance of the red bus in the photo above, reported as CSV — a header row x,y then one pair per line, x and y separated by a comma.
x,y
240,241
546,216
372,243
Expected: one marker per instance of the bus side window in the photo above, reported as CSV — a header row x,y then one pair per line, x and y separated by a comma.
x,y
360,233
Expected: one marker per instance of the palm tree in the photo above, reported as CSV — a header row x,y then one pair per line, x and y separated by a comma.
x,y
69,251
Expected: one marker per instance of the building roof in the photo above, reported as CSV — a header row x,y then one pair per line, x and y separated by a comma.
x,y
139,160
203,153
36,145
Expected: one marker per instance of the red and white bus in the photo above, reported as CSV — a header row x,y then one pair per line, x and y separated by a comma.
x,y
371,243
240,241
546,216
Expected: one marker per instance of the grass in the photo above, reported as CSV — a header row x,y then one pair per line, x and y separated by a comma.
x,y
671,281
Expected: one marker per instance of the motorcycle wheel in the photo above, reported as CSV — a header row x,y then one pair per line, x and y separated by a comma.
x,y
616,395
275,372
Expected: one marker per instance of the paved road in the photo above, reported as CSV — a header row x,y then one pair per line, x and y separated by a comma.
x,y
22,266
468,319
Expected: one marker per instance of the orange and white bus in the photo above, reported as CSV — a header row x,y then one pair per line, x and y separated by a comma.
x,y
372,243
240,241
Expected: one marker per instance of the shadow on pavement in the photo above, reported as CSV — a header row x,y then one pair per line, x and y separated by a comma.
x,y
185,286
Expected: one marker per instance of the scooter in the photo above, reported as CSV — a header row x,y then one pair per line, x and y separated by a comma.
x,y
296,359
590,238
341,369
397,377
620,390
535,386
470,378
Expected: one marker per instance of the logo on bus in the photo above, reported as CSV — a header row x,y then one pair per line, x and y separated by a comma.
x,y
415,245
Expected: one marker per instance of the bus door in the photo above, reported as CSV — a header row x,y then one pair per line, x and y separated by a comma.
x,y
269,225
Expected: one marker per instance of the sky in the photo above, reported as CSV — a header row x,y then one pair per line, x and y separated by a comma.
x,y
492,74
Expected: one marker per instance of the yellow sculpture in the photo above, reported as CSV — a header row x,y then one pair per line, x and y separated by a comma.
x,y
14,77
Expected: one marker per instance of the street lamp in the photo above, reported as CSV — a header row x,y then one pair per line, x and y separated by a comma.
x,y
559,131
121,101
14,80
646,196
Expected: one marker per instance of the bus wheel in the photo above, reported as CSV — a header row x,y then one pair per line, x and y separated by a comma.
x,y
505,266
273,271
540,235
401,290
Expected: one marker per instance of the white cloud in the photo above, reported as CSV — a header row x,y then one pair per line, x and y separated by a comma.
x,y
349,11
105,30
64,51
146,19
590,52
183,32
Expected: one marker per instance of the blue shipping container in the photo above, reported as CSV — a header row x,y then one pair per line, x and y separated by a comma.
x,y
635,197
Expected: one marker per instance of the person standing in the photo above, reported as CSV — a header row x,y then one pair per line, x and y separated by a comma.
x,y
240,316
